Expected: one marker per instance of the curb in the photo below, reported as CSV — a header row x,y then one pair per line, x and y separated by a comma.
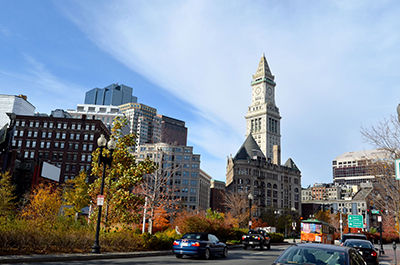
x,y
86,256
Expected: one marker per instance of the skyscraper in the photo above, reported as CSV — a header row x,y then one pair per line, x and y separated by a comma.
x,y
113,94
263,119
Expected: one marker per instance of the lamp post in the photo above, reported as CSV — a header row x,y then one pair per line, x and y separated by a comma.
x,y
105,160
250,200
398,111
294,223
381,251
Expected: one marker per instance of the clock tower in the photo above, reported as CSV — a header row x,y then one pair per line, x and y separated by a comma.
x,y
263,119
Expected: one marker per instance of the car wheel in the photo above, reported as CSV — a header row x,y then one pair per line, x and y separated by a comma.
x,y
206,254
268,246
245,247
179,256
225,252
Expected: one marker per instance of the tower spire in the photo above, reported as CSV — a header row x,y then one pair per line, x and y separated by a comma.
x,y
263,70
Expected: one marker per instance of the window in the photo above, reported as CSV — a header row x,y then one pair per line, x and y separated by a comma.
x,y
65,126
28,144
64,135
33,144
83,157
31,124
37,124
21,133
71,136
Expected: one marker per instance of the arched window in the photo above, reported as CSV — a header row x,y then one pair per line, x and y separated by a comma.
x,y
296,190
275,187
268,185
248,182
256,183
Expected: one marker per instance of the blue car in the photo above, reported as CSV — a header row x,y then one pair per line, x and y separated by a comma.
x,y
203,245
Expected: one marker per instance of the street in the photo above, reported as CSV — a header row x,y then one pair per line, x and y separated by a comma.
x,y
236,256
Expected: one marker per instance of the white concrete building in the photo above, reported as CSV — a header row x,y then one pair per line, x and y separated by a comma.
x,y
18,105
105,113
204,190
144,122
184,167
353,168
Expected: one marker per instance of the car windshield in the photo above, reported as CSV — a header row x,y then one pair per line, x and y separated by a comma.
x,y
296,255
357,244
195,236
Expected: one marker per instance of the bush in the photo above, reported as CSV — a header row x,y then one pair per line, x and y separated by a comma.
x,y
276,237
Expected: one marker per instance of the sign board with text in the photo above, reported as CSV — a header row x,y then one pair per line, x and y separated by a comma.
x,y
355,221
100,200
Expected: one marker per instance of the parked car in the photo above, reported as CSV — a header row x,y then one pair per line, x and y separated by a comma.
x,y
365,248
352,236
199,244
256,238
311,253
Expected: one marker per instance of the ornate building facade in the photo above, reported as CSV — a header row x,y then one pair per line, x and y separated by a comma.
x,y
256,168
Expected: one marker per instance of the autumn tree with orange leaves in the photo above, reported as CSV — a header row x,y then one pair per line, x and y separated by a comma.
x,y
121,203
43,205
158,191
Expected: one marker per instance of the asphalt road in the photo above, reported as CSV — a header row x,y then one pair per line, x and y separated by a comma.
x,y
235,257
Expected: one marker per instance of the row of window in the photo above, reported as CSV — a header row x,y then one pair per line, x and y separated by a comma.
x,y
56,145
59,156
60,125
58,135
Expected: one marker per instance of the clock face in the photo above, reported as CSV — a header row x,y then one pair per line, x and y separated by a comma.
x,y
258,90
269,91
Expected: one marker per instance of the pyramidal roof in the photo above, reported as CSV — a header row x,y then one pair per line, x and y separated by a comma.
x,y
290,164
249,149
263,70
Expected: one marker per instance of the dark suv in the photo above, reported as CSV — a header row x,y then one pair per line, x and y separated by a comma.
x,y
352,236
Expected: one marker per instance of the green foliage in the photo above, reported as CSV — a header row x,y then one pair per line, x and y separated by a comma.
x,y
7,195
121,204
76,194
276,237
210,214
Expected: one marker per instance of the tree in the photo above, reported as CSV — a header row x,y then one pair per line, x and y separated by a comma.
x,y
121,204
76,194
237,204
158,190
385,136
44,204
7,195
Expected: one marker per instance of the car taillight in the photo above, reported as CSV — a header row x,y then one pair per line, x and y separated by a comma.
x,y
243,237
196,244
176,243
373,253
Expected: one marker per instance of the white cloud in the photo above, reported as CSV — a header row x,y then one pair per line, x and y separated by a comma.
x,y
325,56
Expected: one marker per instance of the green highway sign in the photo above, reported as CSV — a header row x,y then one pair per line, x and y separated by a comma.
x,y
355,221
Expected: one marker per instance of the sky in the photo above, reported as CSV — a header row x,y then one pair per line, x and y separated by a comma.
x,y
336,65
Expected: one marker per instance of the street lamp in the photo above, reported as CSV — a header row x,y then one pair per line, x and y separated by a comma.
x,y
250,199
398,111
105,160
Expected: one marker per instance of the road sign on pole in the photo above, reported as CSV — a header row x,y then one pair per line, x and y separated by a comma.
x,y
397,168
355,221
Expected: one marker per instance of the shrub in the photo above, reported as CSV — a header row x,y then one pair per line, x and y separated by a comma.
x,y
276,237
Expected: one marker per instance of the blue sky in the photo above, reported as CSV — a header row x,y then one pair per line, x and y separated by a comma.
x,y
336,65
